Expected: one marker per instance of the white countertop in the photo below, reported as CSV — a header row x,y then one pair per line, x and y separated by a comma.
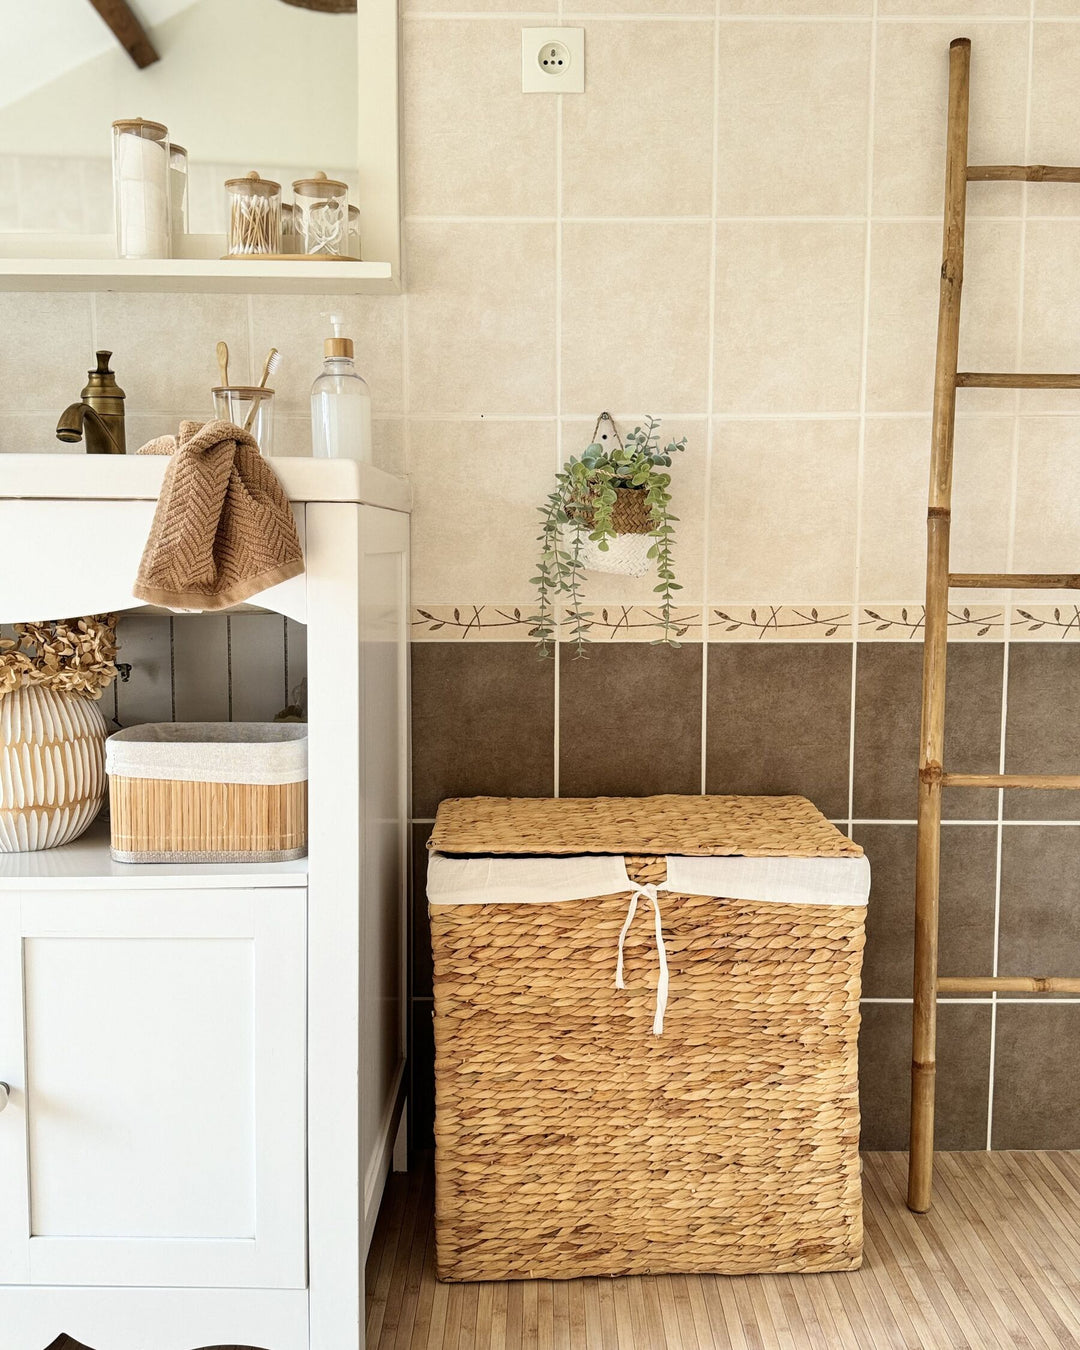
x,y
82,477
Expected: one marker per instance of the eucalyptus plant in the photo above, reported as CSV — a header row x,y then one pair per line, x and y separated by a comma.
x,y
580,508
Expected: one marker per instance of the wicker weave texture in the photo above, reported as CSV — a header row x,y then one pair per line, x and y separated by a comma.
x,y
570,1141
755,827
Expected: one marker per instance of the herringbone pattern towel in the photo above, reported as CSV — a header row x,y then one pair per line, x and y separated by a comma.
x,y
223,529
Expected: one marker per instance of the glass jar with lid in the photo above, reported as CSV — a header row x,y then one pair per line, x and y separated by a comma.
x,y
178,188
254,207
140,158
321,215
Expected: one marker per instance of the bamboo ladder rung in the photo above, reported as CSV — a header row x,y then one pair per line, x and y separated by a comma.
x,y
983,379
1022,173
1031,581
1008,984
1068,782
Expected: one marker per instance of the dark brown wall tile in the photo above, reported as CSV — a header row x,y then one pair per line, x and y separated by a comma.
x,y
1042,734
963,1079
968,866
887,697
1037,1076
778,720
483,722
1040,900
630,720
419,928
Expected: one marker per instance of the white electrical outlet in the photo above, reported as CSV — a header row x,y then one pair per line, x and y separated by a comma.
x,y
553,60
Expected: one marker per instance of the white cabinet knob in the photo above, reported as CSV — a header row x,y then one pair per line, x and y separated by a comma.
x,y
5,1093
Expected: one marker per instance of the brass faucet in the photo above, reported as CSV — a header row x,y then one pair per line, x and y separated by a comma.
x,y
100,414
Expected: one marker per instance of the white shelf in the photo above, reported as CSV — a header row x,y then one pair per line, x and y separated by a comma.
x,y
86,864
195,274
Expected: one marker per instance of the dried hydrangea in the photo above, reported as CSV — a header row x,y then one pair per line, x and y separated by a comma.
x,y
75,656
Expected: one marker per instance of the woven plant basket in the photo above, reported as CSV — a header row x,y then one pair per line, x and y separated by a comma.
x,y
628,553
570,1139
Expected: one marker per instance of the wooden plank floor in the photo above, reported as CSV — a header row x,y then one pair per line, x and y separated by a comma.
x,y
995,1263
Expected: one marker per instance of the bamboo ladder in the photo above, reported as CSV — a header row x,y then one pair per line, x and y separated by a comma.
x,y
939,580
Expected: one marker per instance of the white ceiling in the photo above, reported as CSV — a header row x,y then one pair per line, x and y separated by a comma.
x,y
45,39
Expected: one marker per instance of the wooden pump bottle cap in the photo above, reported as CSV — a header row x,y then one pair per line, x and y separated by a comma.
x,y
338,346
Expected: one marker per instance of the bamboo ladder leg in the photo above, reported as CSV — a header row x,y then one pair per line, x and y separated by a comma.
x,y
932,734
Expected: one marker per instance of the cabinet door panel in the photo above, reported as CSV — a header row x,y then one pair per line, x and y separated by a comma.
x,y
164,1067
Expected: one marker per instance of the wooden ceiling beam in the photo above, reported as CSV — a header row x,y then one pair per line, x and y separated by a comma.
x,y
128,31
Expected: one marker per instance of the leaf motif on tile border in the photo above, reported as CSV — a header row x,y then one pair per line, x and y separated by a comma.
x,y
641,623
1051,622
789,622
461,622
892,622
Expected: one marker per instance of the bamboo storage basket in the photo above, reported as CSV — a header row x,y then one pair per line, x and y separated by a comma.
x,y
208,792
570,1139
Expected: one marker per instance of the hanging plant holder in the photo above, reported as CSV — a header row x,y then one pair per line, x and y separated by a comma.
x,y
610,513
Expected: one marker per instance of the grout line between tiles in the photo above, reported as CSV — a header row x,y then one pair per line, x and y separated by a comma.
x,y
860,453
710,403
557,692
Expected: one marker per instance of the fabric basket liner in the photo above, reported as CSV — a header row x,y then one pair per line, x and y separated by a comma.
x,y
546,880
750,827
210,752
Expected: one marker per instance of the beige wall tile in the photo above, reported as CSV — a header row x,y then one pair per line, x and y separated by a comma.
x,y
481,318
782,523
910,103
164,347
297,326
478,487
905,272
688,503
536,12
1051,305
474,144
796,8
641,147
794,118
789,312
388,445
1048,498
33,434
934,9
1055,73
895,465
635,317
46,348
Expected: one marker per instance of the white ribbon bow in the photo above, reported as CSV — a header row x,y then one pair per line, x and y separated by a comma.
x,y
648,893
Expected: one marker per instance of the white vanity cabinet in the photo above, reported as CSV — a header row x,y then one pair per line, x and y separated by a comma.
x,y
206,1062
154,1046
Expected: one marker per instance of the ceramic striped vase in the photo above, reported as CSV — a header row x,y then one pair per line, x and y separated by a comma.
x,y
52,767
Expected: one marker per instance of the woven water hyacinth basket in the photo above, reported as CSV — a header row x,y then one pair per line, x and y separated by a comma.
x,y
585,1129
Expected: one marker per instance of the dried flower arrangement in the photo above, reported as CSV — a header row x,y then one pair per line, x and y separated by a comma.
x,y
74,656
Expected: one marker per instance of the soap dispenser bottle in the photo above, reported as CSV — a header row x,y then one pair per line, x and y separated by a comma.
x,y
340,403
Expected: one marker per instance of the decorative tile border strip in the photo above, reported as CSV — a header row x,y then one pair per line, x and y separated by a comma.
x,y
757,623
783,623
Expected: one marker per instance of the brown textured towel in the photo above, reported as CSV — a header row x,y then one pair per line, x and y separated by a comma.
x,y
223,529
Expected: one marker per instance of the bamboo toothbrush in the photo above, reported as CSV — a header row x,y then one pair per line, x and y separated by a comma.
x,y
270,365
223,363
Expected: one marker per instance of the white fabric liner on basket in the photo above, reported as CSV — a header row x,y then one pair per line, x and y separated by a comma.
x,y
627,555
549,880
210,752
545,880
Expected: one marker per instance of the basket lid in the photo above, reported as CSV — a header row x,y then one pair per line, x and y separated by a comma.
x,y
750,827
